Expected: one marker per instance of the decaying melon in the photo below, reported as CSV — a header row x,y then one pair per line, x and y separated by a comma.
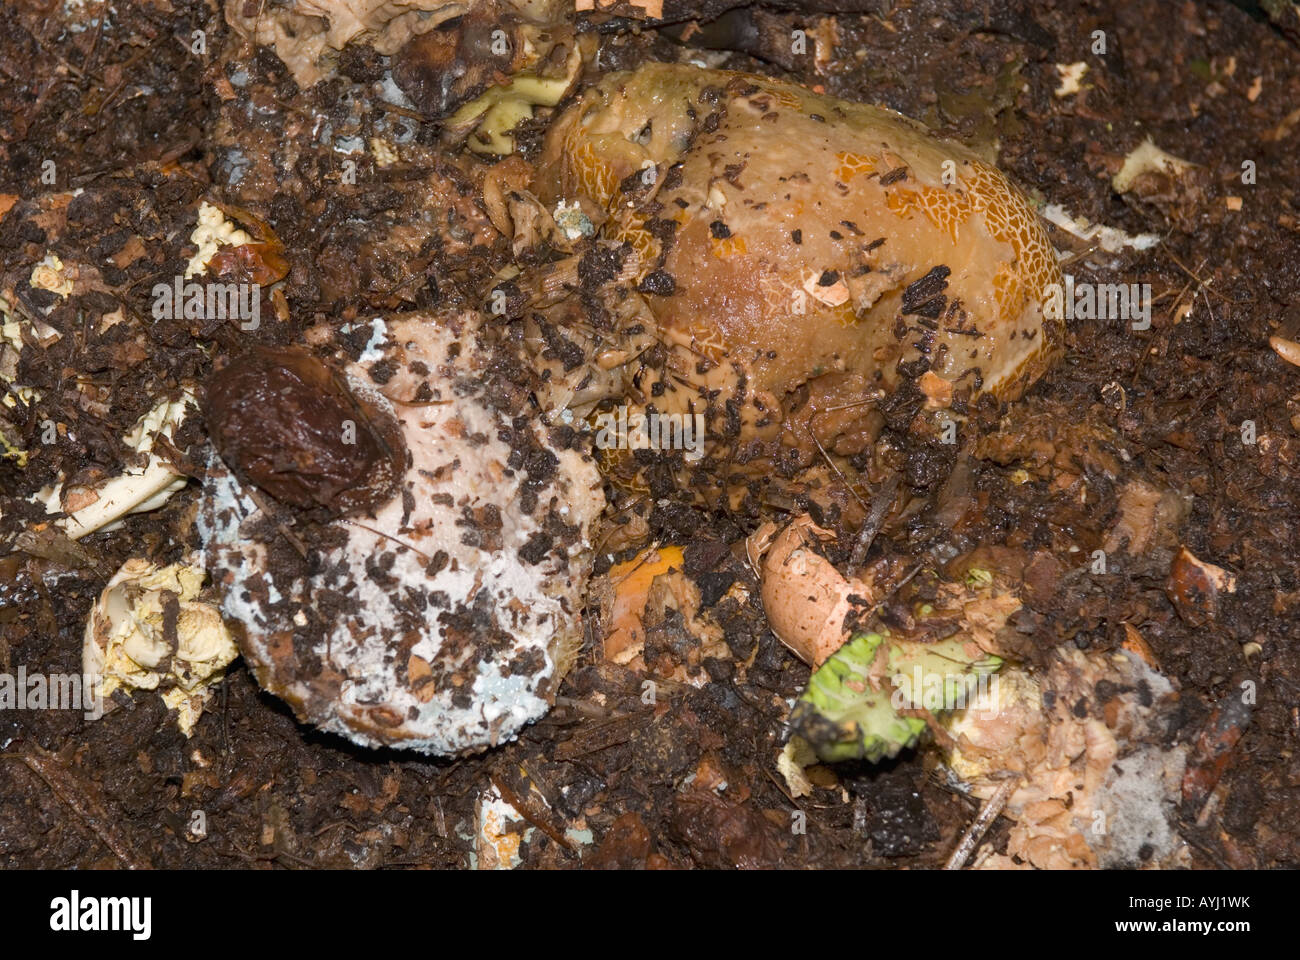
x,y
797,255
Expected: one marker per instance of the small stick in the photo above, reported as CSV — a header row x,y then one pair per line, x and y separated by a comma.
x,y
386,536
532,816
975,832
63,784
644,559
589,709
225,717
284,531
883,500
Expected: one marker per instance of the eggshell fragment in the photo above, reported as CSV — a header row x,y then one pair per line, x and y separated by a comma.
x,y
806,599
1194,587
1287,349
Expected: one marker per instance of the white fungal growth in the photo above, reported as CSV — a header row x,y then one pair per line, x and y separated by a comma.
x,y
439,623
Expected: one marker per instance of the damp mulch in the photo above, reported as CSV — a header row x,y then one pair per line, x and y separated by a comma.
x,y
125,111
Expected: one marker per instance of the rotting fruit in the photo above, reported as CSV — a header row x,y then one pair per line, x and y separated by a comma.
x,y
288,423
441,610
795,257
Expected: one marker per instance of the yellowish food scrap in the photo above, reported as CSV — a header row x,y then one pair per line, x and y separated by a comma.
x,y
51,275
150,631
1146,157
213,232
501,830
384,153
137,489
1071,75
631,582
499,109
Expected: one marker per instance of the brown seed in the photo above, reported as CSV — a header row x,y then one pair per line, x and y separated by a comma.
x,y
1288,350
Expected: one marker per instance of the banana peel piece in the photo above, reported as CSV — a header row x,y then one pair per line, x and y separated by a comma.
x,y
859,703
493,115
137,489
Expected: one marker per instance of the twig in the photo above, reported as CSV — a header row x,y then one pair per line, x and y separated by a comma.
x,y
831,463
975,832
388,536
532,816
99,34
784,792
225,717
883,500
1203,284
589,709
404,111
284,531
642,560
63,785
1190,834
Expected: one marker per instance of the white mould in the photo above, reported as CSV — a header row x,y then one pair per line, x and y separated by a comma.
x,y
443,622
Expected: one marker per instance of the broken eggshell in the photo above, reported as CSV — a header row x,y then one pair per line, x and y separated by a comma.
x,y
444,621
809,604
1195,586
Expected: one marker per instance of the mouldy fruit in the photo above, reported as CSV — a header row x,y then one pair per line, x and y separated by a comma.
x,y
288,423
797,255
1085,740
442,617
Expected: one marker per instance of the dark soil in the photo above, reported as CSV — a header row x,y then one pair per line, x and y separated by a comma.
x,y
145,127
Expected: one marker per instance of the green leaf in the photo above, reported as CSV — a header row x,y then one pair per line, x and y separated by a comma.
x,y
844,717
